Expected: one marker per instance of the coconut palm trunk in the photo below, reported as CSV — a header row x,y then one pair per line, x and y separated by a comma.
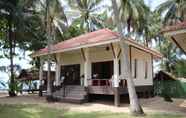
x,y
48,28
135,106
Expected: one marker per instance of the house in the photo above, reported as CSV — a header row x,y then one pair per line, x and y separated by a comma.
x,y
93,63
177,34
29,76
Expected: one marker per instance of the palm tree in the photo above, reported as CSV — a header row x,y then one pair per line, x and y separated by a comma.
x,y
54,20
131,11
87,13
170,53
149,27
135,106
13,11
173,11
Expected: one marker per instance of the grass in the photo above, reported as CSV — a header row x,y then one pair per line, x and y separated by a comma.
x,y
28,111
35,111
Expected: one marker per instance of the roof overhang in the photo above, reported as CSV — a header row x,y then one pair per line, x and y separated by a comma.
x,y
53,51
177,34
178,37
93,39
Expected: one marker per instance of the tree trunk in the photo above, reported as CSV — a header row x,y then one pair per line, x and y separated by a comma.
x,y
48,28
135,106
49,81
12,81
146,42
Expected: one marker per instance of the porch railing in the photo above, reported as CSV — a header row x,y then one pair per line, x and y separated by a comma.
x,y
106,82
100,82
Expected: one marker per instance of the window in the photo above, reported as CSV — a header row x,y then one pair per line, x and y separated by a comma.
x,y
146,69
135,68
119,67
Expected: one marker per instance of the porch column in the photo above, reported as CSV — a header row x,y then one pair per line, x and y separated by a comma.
x,y
58,71
40,76
116,82
87,67
116,72
115,51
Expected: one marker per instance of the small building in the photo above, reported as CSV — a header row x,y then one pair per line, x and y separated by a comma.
x,y
93,63
177,34
167,86
29,76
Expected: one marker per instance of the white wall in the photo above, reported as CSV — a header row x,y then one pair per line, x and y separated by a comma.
x,y
72,58
142,57
103,55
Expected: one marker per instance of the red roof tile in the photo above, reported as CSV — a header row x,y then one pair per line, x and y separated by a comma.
x,y
177,26
95,37
87,38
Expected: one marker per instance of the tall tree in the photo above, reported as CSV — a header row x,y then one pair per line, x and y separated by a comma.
x,y
171,54
173,11
87,13
12,11
54,20
149,27
135,106
131,11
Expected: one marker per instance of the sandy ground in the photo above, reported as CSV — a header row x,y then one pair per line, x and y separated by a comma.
x,y
155,104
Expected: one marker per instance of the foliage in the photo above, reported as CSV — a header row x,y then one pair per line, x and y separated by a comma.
x,y
149,27
180,70
131,11
172,61
172,10
88,14
70,32
16,86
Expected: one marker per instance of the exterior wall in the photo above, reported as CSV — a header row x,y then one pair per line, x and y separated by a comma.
x,y
72,58
99,55
142,58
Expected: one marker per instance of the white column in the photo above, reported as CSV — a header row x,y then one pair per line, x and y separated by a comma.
x,y
122,65
58,71
116,72
87,67
41,71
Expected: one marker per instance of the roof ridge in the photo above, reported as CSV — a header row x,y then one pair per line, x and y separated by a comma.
x,y
76,37
109,30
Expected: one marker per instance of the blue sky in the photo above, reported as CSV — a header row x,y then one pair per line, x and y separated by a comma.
x,y
24,62
154,3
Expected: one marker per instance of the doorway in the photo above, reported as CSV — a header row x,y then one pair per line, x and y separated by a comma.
x,y
71,74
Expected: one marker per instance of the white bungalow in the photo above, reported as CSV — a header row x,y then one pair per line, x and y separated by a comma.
x,y
92,64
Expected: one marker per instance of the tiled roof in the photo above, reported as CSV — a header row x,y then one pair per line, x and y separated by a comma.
x,y
87,38
96,37
177,26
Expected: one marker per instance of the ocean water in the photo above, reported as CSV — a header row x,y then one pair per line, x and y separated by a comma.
x,y
3,81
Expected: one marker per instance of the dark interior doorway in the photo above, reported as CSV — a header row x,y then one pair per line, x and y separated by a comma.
x,y
71,73
102,70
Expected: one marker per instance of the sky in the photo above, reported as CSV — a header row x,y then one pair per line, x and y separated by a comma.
x,y
154,3
25,60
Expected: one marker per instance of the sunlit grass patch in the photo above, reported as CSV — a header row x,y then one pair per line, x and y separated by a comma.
x,y
28,111
36,111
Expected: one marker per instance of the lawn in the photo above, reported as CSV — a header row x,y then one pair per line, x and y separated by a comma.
x,y
35,111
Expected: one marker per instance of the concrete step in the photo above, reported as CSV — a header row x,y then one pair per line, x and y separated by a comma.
x,y
70,99
75,94
75,87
